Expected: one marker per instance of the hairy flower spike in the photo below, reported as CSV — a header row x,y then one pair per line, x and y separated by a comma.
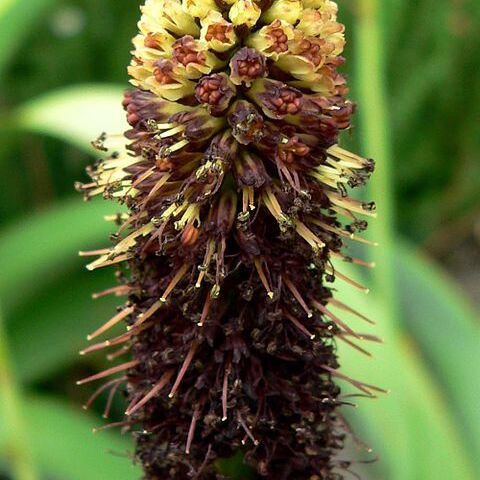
x,y
237,198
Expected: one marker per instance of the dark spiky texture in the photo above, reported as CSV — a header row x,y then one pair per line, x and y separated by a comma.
x,y
234,184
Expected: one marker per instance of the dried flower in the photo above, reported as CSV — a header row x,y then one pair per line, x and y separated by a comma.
x,y
235,186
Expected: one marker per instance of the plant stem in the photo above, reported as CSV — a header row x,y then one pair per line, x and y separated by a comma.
x,y
376,143
16,445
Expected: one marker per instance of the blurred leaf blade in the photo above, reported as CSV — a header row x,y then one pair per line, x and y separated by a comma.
x,y
47,243
65,447
77,114
414,422
14,435
59,316
447,333
16,20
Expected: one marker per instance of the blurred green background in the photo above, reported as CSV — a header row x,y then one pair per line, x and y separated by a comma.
x,y
413,69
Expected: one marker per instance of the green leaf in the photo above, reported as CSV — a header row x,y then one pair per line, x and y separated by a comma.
x,y
65,447
14,435
446,330
235,468
47,331
17,18
412,429
37,249
76,114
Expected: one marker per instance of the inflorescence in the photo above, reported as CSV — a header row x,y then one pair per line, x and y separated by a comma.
x,y
237,202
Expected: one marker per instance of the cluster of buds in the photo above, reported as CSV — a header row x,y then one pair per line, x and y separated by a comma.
x,y
235,187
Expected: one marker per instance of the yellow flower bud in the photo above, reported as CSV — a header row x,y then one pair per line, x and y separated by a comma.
x,y
320,4
324,81
217,33
329,7
200,8
151,47
333,33
162,78
272,40
310,22
195,58
168,15
244,12
306,55
321,24
287,10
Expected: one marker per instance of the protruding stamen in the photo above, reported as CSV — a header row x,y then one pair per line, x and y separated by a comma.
x,y
134,185
191,431
349,159
155,236
371,338
112,322
346,279
156,188
183,370
131,239
109,371
334,318
152,393
347,203
173,131
111,425
101,389
263,278
275,205
117,291
178,146
343,306
363,240
115,341
363,387
117,217
247,430
111,395
143,317
225,393
94,253
206,262
298,296
104,262
356,261
342,233
118,353
301,327
175,280
206,309
354,345
309,236
248,200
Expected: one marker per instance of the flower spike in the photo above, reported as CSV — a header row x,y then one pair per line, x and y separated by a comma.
x,y
237,210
